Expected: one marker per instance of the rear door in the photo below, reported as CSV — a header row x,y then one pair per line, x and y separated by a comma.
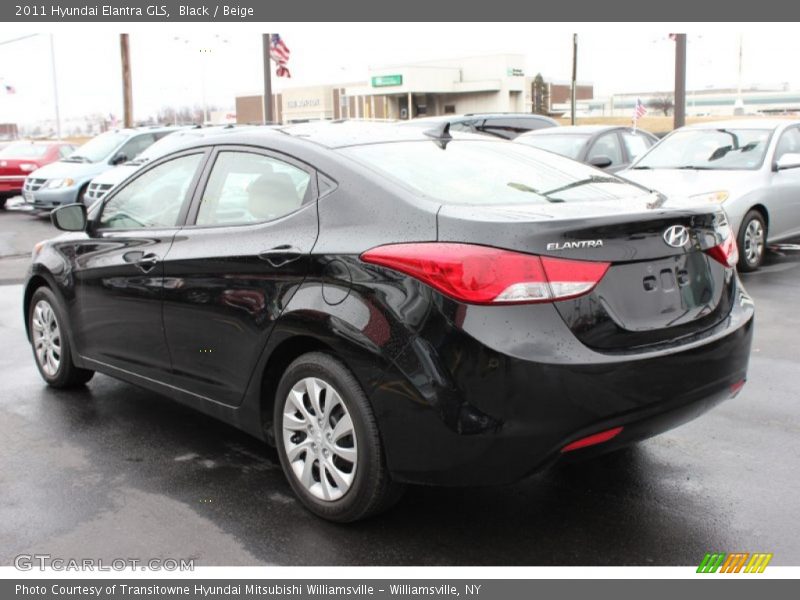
x,y
233,269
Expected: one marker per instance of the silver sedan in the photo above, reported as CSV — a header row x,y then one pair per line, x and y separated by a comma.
x,y
750,167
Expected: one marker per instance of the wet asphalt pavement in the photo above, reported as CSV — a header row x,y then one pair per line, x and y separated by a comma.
x,y
114,471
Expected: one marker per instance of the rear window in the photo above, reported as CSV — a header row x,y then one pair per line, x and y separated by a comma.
x,y
486,173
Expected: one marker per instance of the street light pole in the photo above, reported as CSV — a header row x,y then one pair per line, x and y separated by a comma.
x,y
267,80
680,81
55,87
574,76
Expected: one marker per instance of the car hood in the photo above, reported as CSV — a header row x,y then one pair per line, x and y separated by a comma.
x,y
115,175
683,183
74,170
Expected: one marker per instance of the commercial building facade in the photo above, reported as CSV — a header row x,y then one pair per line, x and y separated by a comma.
x,y
494,83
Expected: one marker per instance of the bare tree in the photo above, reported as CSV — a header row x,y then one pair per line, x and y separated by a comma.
x,y
663,103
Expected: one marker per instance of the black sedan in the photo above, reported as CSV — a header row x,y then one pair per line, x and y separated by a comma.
x,y
603,146
391,306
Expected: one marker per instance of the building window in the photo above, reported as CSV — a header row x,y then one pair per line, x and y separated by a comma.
x,y
449,109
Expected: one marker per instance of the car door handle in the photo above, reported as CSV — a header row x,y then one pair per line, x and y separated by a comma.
x,y
145,262
280,255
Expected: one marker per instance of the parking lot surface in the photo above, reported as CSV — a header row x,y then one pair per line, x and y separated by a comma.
x,y
114,471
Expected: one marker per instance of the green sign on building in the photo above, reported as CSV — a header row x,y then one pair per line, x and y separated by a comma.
x,y
387,80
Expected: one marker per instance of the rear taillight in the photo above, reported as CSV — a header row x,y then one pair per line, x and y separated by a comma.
x,y
726,252
484,275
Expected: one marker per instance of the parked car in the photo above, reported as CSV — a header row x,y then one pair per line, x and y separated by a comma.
x,y
384,312
67,180
503,125
18,159
606,147
100,185
749,167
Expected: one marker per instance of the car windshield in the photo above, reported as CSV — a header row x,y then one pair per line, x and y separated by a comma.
x,y
23,150
565,144
704,149
483,173
100,147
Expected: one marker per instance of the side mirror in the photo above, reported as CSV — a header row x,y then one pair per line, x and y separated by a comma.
x,y
601,161
790,160
70,217
119,159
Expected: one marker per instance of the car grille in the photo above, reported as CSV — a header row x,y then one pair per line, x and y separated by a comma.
x,y
96,191
32,184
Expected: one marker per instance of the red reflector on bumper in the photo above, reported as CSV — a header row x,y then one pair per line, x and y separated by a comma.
x,y
591,440
737,387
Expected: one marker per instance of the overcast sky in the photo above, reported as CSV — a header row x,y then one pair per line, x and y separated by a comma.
x,y
167,62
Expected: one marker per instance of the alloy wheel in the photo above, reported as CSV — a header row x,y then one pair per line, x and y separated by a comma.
x,y
46,338
319,439
753,242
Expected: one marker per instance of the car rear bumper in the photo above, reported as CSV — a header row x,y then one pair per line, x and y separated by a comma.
x,y
461,405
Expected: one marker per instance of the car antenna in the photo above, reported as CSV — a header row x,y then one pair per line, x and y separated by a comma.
x,y
440,134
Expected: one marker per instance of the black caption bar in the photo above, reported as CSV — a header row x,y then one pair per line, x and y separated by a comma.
x,y
406,10
343,589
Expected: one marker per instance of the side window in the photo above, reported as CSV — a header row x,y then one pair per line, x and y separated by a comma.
x,y
606,145
245,187
789,143
635,144
134,146
153,199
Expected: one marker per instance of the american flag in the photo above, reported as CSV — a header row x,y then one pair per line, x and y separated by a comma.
x,y
9,89
279,52
639,110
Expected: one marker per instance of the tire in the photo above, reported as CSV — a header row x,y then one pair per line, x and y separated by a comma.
x,y
345,475
3,202
752,242
50,342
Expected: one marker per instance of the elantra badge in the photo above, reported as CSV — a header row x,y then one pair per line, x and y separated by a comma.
x,y
676,236
575,245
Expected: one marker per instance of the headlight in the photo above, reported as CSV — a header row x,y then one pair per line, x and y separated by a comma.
x,y
58,183
28,167
717,197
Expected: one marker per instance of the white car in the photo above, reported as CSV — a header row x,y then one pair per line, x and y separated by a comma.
x,y
750,167
102,184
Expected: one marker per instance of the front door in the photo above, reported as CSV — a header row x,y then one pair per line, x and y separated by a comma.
x,y
233,269
119,269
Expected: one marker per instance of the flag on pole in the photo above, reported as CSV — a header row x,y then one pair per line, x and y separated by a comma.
x,y
638,111
279,52
9,89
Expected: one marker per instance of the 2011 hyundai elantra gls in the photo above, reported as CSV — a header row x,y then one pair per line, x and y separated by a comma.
x,y
388,305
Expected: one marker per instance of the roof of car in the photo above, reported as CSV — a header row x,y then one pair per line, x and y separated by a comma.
x,y
338,134
471,116
764,123
576,129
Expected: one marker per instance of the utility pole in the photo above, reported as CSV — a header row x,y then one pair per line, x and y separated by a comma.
x,y
267,80
680,81
738,107
574,77
55,87
127,89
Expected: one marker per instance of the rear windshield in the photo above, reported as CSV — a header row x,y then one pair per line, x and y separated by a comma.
x,y
483,173
24,150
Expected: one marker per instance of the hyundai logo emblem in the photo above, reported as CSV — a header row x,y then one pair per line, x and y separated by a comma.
x,y
677,236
